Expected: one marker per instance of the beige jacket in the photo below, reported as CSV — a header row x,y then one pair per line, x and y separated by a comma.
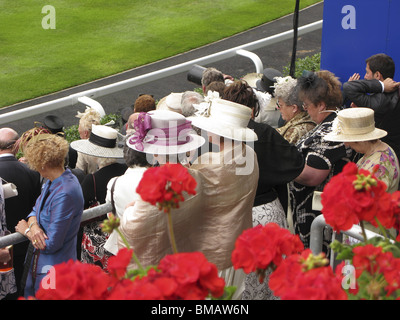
x,y
209,221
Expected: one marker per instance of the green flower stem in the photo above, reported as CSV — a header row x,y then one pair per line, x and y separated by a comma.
x,y
363,230
128,246
171,231
382,229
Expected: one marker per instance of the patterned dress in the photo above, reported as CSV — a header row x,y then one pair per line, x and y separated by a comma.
x,y
279,162
263,214
319,154
297,127
94,189
388,170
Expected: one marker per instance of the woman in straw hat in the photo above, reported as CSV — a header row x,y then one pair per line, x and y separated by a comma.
x,y
321,96
231,175
297,120
53,224
356,128
103,146
279,163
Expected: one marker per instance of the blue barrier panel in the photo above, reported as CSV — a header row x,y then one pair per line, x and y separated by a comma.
x,y
354,30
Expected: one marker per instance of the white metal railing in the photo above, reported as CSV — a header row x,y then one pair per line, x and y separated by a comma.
x,y
243,50
87,215
317,235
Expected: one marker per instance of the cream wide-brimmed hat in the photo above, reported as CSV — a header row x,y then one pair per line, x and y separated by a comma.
x,y
102,143
163,132
172,102
354,125
227,119
252,79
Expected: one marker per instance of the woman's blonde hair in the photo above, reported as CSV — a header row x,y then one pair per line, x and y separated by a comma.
x,y
48,150
89,117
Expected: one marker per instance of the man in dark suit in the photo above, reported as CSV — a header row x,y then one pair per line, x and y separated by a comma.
x,y
28,185
379,92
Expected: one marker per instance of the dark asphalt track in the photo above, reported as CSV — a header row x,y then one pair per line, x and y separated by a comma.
x,y
274,56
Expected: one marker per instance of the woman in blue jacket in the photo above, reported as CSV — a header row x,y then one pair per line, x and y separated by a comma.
x,y
53,224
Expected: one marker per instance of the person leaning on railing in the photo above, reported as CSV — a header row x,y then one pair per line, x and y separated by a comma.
x,y
53,224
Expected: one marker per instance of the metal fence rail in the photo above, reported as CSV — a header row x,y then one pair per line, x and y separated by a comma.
x,y
317,230
87,215
243,50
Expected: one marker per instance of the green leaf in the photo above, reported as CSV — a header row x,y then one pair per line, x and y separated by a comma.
x,y
228,293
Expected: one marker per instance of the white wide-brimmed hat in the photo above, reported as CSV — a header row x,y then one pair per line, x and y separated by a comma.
x,y
252,79
171,102
163,132
227,119
102,143
353,125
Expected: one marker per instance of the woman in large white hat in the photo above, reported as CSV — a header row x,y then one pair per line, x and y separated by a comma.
x,y
211,220
279,163
163,136
231,175
103,146
356,128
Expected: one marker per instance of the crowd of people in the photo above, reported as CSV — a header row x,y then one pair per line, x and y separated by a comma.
x,y
258,148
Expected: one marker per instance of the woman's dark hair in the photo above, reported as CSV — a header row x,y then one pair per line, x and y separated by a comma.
x,y
240,92
321,86
135,158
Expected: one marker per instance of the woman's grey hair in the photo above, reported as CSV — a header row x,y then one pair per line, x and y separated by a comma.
x,y
189,98
286,89
211,74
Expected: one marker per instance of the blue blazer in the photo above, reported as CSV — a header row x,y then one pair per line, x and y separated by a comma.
x,y
58,210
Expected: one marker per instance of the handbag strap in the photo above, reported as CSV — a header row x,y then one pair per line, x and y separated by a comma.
x,y
112,195
4,180
94,185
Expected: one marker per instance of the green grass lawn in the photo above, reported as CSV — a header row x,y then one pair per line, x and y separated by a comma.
x,y
98,38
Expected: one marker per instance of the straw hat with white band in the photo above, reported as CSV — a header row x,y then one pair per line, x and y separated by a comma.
x,y
353,125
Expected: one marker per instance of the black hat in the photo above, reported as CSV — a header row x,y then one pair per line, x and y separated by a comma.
x,y
54,124
268,80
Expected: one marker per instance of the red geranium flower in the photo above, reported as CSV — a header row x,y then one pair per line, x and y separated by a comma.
x,y
117,264
316,284
305,277
259,247
357,195
164,185
195,276
74,280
